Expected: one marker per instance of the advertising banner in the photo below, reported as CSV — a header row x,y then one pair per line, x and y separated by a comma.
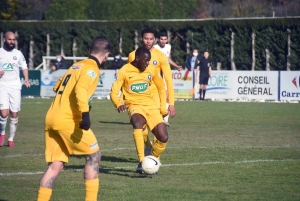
x,y
35,83
105,82
243,85
183,88
48,80
289,88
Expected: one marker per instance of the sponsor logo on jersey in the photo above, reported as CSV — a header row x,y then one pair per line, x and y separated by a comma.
x,y
8,67
149,77
15,58
139,87
91,73
208,64
76,67
94,145
154,62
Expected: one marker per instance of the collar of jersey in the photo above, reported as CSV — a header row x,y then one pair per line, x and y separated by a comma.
x,y
94,58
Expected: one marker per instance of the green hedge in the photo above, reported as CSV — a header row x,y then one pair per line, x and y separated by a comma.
x,y
212,34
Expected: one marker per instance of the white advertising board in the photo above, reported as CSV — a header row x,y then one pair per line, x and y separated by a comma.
x,y
183,88
242,85
105,82
48,80
289,88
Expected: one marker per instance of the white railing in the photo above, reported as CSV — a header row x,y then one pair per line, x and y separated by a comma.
x,y
43,65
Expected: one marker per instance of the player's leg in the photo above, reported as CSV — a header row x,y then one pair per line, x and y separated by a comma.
x,y
4,112
205,82
82,142
15,104
138,121
158,128
91,175
56,154
147,141
159,146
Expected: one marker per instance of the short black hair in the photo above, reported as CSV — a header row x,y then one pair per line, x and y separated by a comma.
x,y
206,50
100,44
148,30
163,33
141,50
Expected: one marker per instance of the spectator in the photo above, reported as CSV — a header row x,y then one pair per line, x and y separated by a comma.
x,y
192,63
117,63
60,63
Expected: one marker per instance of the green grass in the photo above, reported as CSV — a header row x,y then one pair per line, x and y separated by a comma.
x,y
216,151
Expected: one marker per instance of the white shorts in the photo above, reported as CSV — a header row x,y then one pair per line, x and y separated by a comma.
x,y
10,99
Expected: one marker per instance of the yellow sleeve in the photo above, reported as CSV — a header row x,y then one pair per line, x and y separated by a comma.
x,y
57,84
84,83
115,89
167,73
131,56
159,82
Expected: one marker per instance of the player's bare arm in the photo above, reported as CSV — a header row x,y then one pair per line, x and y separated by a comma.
x,y
26,79
174,64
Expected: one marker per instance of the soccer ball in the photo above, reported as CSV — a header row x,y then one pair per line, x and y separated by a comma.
x,y
150,164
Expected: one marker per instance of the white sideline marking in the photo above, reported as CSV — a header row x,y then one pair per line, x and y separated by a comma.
x,y
132,148
165,165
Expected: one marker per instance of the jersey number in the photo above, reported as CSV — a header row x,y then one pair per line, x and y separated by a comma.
x,y
65,82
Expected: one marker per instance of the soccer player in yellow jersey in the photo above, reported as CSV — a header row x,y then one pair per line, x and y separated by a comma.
x,y
159,62
67,123
135,79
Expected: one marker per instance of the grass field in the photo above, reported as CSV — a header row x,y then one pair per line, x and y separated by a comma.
x,y
216,151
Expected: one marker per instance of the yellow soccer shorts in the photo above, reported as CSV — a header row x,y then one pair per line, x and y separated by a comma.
x,y
150,112
60,144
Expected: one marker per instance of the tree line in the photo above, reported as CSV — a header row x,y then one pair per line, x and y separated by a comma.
x,y
144,9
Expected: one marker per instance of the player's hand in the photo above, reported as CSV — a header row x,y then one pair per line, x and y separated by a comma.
x,y
122,108
179,68
27,83
85,123
1,73
172,111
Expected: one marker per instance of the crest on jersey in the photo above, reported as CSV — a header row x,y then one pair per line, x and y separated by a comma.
x,y
208,64
149,77
154,62
15,58
91,73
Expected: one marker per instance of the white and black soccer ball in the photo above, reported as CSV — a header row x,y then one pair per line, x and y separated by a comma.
x,y
150,164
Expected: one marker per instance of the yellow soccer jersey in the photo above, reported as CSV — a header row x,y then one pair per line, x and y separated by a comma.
x,y
160,63
73,92
136,87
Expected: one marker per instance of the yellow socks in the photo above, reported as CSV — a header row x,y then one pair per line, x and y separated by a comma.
x,y
158,148
139,143
91,189
44,194
146,137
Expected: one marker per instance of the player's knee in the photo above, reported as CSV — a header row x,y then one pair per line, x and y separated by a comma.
x,y
56,166
164,138
3,115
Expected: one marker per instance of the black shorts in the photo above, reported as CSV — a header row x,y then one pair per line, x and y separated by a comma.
x,y
203,79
